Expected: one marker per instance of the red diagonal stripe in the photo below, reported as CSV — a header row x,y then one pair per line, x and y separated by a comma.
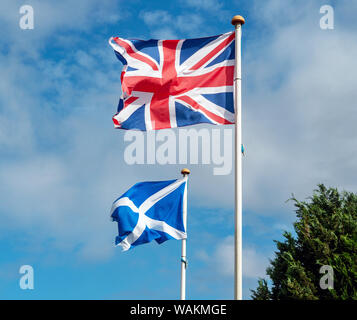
x,y
134,54
221,46
115,121
129,101
209,114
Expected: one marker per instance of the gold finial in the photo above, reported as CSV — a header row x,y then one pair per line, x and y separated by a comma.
x,y
238,20
185,171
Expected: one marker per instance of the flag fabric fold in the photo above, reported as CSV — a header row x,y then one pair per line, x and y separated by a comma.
x,y
174,83
150,211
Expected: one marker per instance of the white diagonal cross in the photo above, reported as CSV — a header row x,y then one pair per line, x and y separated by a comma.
x,y
144,220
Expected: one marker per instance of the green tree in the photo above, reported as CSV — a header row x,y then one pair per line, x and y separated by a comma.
x,y
326,234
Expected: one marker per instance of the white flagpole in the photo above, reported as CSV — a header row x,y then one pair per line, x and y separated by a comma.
x,y
238,21
185,173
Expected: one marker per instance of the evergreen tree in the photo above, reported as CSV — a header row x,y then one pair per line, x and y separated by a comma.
x,y
326,234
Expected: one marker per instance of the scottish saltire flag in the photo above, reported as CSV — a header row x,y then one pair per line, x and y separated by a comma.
x,y
150,211
175,83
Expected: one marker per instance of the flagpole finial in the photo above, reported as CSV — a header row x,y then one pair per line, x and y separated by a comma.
x,y
185,171
238,20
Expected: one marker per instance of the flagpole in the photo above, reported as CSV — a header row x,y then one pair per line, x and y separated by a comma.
x,y
185,172
238,21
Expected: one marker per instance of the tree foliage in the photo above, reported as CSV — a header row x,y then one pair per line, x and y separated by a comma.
x,y
326,234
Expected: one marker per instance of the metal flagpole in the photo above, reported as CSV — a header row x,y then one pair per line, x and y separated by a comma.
x,y
185,172
238,21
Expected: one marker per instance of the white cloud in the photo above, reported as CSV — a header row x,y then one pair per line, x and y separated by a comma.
x,y
61,156
210,9
164,33
158,17
190,24
52,19
222,259
163,25
298,111
55,169
209,5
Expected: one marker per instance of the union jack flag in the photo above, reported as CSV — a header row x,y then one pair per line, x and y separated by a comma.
x,y
175,83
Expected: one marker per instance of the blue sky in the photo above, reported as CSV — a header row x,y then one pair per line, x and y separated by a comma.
x,y
61,161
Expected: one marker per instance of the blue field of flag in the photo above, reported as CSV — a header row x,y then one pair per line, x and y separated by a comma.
x,y
150,211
